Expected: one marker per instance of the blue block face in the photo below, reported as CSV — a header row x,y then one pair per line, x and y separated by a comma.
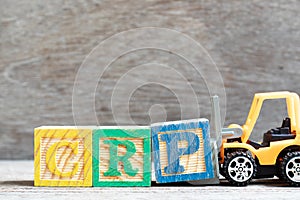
x,y
182,151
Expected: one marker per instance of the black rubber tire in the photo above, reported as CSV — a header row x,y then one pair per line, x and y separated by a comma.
x,y
221,170
279,176
229,162
287,163
278,171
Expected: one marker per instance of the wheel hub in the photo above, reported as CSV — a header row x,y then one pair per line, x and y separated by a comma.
x,y
240,169
292,169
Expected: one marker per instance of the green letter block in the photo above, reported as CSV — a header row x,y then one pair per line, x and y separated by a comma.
x,y
122,156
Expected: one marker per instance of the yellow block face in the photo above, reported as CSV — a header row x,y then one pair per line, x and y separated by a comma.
x,y
62,156
193,163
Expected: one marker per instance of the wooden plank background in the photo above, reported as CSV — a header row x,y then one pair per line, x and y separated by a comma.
x,y
255,45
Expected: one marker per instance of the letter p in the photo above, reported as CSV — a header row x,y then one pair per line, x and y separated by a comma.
x,y
174,152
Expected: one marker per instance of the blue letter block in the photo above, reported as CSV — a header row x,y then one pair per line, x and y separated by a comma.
x,y
182,151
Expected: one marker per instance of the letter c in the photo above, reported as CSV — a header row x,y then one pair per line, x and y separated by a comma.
x,y
51,158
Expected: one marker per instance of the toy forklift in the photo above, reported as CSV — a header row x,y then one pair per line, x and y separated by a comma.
x,y
278,154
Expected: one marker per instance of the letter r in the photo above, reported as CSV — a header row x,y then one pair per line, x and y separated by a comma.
x,y
115,159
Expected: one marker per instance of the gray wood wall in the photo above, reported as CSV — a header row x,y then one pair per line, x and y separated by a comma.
x,y
255,44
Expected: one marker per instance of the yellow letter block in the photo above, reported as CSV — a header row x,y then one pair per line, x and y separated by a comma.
x,y
62,156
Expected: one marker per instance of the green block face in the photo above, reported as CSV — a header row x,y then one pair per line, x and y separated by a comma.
x,y
122,156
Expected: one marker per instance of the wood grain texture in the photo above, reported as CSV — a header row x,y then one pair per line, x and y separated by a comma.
x,y
186,155
136,160
63,157
215,161
121,157
193,162
255,45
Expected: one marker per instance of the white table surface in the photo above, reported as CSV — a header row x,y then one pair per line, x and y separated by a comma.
x,y
16,182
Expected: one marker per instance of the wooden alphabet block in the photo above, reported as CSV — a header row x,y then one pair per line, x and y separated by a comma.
x,y
122,156
182,151
215,180
62,156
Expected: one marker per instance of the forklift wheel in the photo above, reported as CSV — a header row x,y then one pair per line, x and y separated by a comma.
x,y
239,168
290,168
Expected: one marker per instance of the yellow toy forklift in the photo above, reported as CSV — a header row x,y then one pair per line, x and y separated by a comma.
x,y
278,154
